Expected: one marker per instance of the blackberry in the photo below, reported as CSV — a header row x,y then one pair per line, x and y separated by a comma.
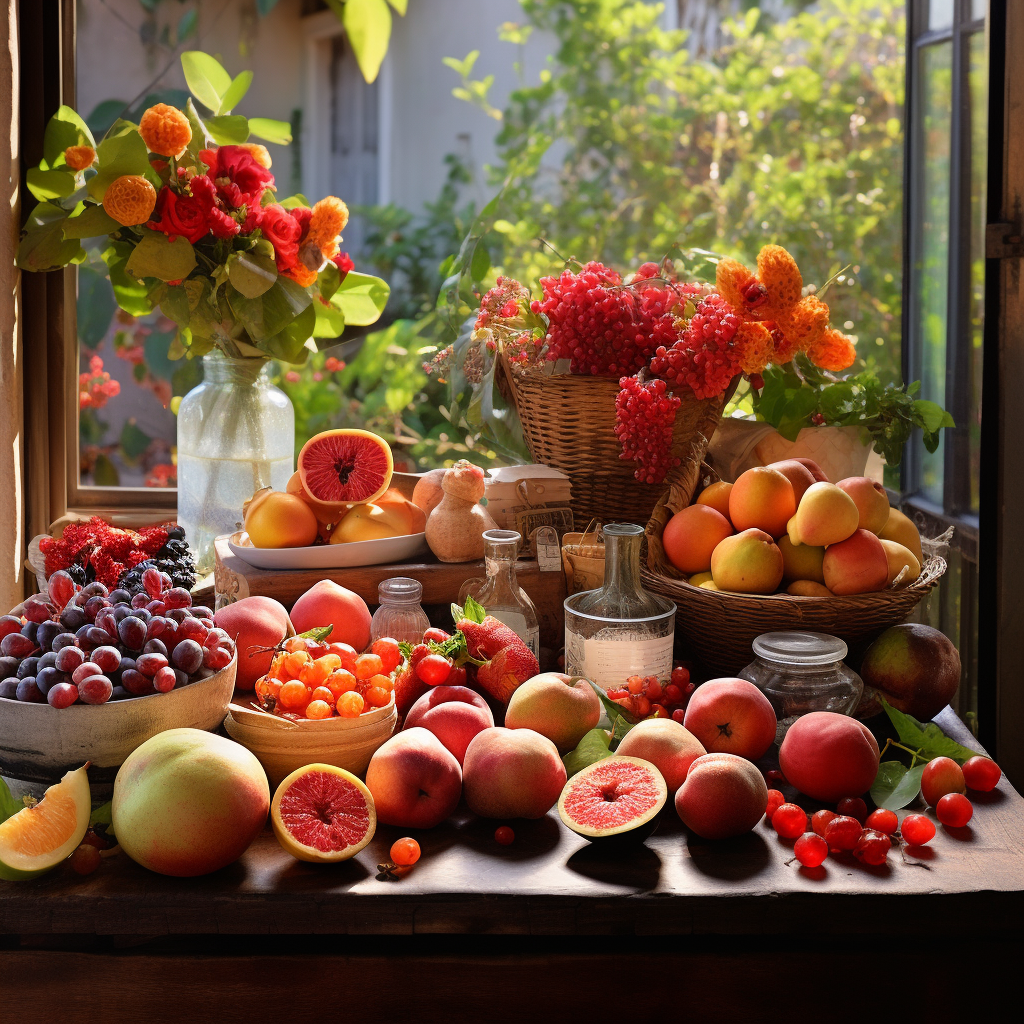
x,y
174,558
77,572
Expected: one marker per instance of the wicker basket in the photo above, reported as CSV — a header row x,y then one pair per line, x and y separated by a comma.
x,y
720,627
568,421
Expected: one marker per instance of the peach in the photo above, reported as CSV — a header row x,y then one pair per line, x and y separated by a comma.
x,y
512,773
762,498
871,500
901,529
808,588
667,744
731,716
691,535
414,779
797,474
700,578
826,516
747,563
563,708
814,469
253,622
829,756
801,561
454,714
723,796
428,493
188,802
716,496
326,515
369,522
328,604
900,558
941,775
410,515
277,519
857,565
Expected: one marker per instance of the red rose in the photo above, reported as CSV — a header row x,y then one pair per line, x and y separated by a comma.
x,y
179,215
239,179
284,232
203,190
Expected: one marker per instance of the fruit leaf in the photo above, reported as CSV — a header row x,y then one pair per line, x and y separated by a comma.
x,y
317,633
206,78
49,184
228,129
895,786
472,610
251,273
928,739
101,815
266,128
44,246
238,88
92,222
9,806
361,299
120,154
622,720
368,26
65,129
594,747
157,256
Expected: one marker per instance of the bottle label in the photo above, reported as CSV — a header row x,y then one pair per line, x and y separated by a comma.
x,y
516,621
609,663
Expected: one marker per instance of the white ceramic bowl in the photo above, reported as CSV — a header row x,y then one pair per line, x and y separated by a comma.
x,y
329,556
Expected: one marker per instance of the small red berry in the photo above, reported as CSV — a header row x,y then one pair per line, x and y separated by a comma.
x,y
789,821
954,810
811,850
883,821
504,835
981,774
774,778
842,833
819,819
775,801
86,859
405,852
678,715
917,830
853,807
872,847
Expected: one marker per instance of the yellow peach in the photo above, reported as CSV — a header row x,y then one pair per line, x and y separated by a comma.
x,y
900,558
717,496
871,500
699,578
801,561
762,499
857,565
827,515
808,588
276,519
902,530
797,474
368,522
747,563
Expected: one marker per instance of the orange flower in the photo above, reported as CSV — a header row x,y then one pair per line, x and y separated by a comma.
x,y
785,347
780,276
329,218
731,277
753,342
259,153
79,157
165,130
130,199
833,351
301,275
806,322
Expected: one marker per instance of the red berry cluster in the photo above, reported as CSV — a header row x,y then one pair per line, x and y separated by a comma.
x,y
507,299
704,357
107,549
648,697
645,412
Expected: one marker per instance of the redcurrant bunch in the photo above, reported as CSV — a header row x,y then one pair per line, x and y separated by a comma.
x,y
645,413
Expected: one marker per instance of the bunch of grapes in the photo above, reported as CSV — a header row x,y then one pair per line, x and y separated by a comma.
x,y
92,645
645,412
649,697
704,358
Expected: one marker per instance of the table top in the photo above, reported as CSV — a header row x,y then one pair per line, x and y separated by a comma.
x,y
552,882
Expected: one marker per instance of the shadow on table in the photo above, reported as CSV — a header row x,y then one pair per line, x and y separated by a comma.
x,y
637,867
731,860
300,876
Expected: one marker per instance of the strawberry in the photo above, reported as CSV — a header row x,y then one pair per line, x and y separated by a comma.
x,y
504,661
408,689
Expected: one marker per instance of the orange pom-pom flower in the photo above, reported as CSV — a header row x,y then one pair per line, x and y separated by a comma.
x,y
806,322
79,157
330,215
778,273
165,130
731,278
130,199
833,351
301,274
754,345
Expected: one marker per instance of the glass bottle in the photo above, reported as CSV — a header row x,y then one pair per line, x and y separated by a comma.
x,y
236,434
500,593
800,672
620,629
400,615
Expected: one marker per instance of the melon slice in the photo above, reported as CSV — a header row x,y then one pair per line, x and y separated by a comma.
x,y
615,798
345,467
39,838
322,813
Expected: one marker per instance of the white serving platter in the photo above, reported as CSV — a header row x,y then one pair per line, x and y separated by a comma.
x,y
330,556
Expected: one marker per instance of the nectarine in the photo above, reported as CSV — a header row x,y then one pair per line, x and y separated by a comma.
x,y
691,535
762,498
328,604
829,756
563,708
747,563
731,716
512,773
667,744
857,565
723,796
454,714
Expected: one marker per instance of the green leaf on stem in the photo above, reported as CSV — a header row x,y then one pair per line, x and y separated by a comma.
x,y
317,633
895,786
266,128
228,129
926,738
368,26
594,747
49,184
238,88
361,298
622,721
64,129
174,305
44,246
472,610
289,344
206,78
251,273
118,155
132,295
92,222
272,312
102,815
158,256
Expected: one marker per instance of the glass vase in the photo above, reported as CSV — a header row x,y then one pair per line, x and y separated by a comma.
x,y
236,434
400,615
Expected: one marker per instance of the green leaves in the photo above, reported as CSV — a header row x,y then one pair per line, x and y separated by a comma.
x,y
123,153
927,739
228,129
49,184
266,128
471,610
251,273
368,26
594,747
622,721
64,129
158,256
361,298
234,92
92,222
896,786
9,806
207,80
44,246
271,312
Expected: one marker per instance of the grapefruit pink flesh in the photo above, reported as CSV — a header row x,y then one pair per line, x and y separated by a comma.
x,y
323,813
345,466
617,794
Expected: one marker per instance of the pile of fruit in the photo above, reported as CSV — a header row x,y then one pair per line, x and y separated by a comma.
x,y
786,526
91,645
95,550
340,493
650,697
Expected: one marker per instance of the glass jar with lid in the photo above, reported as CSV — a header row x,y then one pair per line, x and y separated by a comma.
x,y
400,615
802,672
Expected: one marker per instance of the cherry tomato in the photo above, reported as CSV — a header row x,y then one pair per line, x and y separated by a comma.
x,y
434,670
438,636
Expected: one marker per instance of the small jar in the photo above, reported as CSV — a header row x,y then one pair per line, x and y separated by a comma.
x,y
400,615
803,672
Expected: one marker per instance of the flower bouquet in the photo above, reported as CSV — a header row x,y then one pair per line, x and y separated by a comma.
x,y
186,211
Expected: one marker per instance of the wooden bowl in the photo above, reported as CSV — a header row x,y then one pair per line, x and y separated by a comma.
x,y
39,743
282,745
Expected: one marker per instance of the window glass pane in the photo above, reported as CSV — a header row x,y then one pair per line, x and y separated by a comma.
x,y
940,14
931,241
979,9
978,85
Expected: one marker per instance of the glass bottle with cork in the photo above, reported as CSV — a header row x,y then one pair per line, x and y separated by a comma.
x,y
620,629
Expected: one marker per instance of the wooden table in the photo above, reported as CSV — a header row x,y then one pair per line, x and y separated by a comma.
x,y
549,926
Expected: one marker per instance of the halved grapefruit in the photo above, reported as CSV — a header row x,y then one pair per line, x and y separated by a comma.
x,y
39,838
618,797
323,814
345,467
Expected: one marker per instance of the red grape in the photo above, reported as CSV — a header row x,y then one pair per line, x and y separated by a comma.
x,y
195,629
188,656
140,600
136,683
789,821
164,680
954,810
16,645
775,801
156,607
28,692
678,715
178,597
95,689
216,637
108,658
504,835
153,581
216,658
872,847
9,624
156,647
132,631
150,664
36,609
63,695
61,588
842,833
883,821
917,830
981,774
85,860
86,669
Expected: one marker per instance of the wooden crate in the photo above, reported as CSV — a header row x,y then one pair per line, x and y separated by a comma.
x,y
441,581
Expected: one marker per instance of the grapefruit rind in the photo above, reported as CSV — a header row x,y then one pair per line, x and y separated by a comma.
x,y
621,796
281,818
316,477
38,838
